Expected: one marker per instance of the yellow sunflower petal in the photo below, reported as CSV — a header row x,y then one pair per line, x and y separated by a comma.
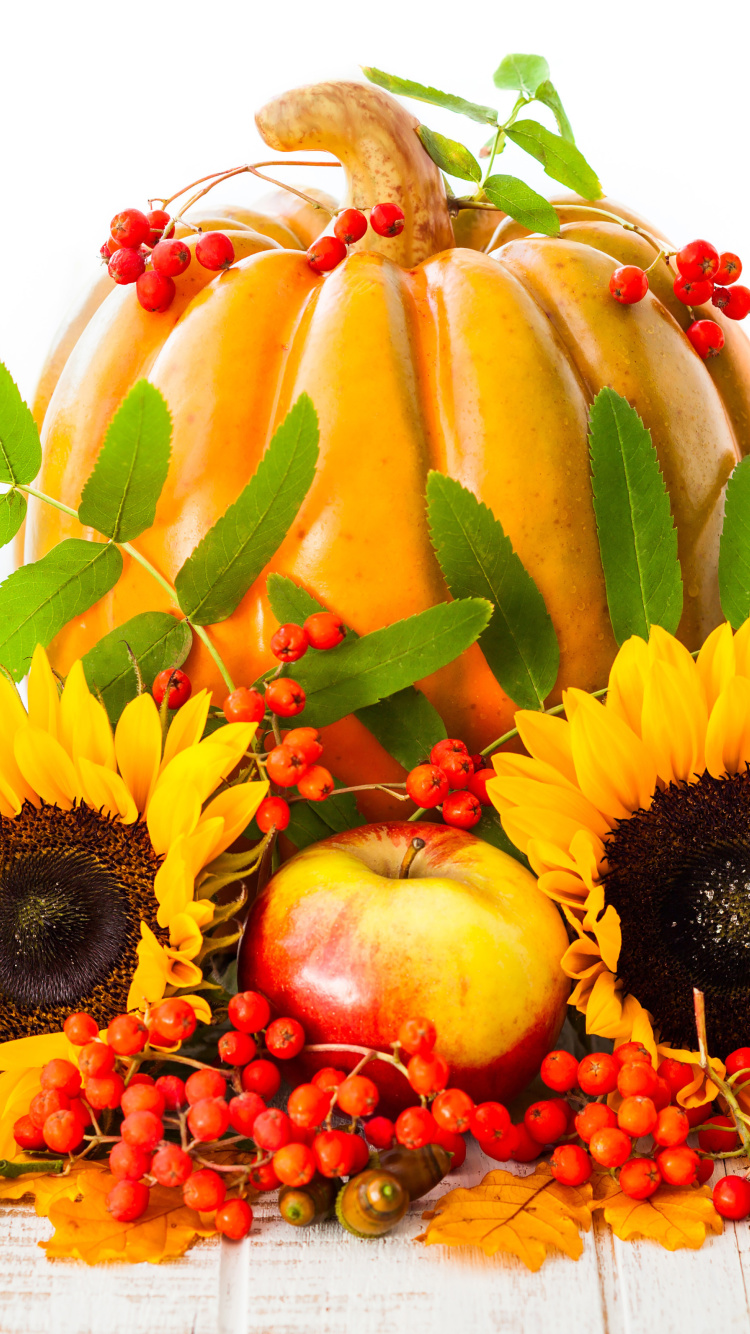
x,y
674,722
200,848
84,725
663,647
47,767
181,972
202,767
150,976
604,1008
19,1053
174,883
201,910
524,823
608,934
236,806
615,770
636,1025
172,811
12,717
564,887
566,801
138,747
547,738
106,791
185,935
43,694
235,738
728,732
509,765
742,649
187,727
716,662
627,680
581,992
201,1007
17,1088
581,957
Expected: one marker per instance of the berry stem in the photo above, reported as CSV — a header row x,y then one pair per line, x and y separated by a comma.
x,y
725,1088
216,178
363,787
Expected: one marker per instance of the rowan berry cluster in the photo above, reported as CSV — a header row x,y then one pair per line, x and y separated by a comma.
x,y
179,1133
702,275
327,251
454,781
586,1129
142,249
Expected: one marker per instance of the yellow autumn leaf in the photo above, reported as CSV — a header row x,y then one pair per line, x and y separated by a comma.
x,y
676,1216
84,1230
523,1215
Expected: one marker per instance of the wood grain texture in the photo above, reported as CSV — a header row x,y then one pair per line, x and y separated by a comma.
x,y
322,1281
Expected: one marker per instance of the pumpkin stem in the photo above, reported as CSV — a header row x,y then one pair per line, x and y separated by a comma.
x,y
375,140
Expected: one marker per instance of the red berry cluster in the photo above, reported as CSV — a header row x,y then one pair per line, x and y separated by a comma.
x,y
327,251
647,1107
453,780
142,249
702,275
163,1131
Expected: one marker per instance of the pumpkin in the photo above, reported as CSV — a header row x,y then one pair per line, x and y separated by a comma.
x,y
417,354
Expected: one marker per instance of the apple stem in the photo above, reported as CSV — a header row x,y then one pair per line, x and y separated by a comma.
x,y
414,847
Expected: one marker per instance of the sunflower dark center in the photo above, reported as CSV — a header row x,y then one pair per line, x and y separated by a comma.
x,y
679,877
63,923
74,889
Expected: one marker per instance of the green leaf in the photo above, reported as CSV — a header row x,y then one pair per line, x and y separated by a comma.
x,y
560,158
20,450
120,496
407,88
491,830
362,671
637,536
12,515
521,73
226,563
734,550
39,599
449,155
48,1166
156,639
548,94
312,821
522,203
405,724
478,560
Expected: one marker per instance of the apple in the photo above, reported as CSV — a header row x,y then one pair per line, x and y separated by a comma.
x,y
357,933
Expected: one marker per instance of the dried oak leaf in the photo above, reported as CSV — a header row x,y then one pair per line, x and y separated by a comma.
x,y
523,1215
84,1230
676,1216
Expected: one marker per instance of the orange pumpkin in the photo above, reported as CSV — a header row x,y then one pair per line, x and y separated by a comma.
x,y
417,354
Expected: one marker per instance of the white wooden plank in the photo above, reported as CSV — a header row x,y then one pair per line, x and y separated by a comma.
x,y
690,1291
39,1296
323,1281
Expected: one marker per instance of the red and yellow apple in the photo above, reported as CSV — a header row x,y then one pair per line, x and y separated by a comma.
x,y
341,942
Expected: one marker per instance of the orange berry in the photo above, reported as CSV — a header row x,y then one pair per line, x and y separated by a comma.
x,y
637,1079
678,1166
672,1127
639,1178
595,1116
610,1147
294,1164
637,1116
631,1051
570,1164
417,1036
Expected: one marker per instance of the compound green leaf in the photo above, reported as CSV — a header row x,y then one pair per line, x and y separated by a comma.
x,y
120,496
522,203
478,560
637,536
39,599
734,550
155,639
225,564
20,450
559,157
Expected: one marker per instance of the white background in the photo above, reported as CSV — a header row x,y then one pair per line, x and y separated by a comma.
x,y
105,105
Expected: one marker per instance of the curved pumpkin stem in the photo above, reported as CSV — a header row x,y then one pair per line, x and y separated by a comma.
x,y
375,140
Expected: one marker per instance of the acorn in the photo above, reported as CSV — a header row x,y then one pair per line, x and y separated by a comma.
x,y
370,1204
417,1170
303,1205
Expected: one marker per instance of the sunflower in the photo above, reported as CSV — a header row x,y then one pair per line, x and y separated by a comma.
x,y
107,841
635,816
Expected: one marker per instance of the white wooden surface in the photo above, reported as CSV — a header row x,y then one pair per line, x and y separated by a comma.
x,y
322,1281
